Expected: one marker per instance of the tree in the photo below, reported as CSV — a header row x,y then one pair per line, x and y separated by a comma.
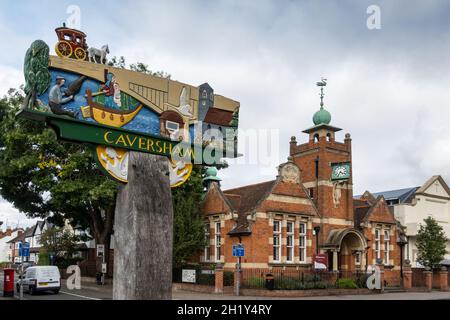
x,y
188,223
49,179
431,243
138,67
59,241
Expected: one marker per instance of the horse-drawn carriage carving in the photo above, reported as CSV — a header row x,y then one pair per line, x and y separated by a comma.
x,y
72,44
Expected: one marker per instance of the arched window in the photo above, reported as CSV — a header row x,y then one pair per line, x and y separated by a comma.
x,y
316,138
328,136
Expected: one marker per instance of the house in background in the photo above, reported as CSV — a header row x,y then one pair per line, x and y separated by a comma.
x,y
34,237
5,237
13,252
412,205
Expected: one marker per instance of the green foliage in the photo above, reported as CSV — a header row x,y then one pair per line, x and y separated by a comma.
x,y
346,284
228,278
255,282
188,225
291,283
37,76
44,258
138,67
59,241
4,264
431,243
47,178
361,280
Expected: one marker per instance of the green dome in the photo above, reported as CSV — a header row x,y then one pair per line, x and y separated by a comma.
x,y
211,174
322,117
211,171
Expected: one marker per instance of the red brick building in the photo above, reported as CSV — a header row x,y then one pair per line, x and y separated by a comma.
x,y
308,208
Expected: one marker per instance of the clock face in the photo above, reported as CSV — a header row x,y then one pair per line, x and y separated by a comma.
x,y
340,171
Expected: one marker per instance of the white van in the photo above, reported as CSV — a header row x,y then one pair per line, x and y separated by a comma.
x,y
41,278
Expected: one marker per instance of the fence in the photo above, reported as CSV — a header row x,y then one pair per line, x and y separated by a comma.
x,y
303,279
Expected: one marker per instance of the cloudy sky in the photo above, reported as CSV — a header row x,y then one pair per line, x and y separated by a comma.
x,y
388,87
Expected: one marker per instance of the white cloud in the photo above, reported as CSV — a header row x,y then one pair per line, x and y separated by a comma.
x,y
9,78
10,216
388,88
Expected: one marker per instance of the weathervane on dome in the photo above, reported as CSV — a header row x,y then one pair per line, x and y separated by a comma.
x,y
322,84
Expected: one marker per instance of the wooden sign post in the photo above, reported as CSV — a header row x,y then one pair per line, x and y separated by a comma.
x,y
143,231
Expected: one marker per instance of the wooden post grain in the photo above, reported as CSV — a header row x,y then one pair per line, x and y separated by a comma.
x,y
143,231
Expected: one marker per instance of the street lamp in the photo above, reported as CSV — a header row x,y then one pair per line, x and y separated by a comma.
x,y
316,232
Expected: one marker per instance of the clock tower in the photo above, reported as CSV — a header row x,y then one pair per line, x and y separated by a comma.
x,y
326,169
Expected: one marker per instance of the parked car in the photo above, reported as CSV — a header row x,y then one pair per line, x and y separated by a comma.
x,y
40,278
17,266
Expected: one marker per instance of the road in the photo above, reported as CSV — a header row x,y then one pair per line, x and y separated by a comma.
x,y
87,292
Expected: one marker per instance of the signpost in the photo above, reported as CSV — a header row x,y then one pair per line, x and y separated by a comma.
x,y
146,131
238,251
24,251
101,254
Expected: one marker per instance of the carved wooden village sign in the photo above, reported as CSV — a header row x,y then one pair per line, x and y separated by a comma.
x,y
117,110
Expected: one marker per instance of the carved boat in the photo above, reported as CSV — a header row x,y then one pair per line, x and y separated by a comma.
x,y
108,116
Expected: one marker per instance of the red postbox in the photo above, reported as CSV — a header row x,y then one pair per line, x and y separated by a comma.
x,y
8,283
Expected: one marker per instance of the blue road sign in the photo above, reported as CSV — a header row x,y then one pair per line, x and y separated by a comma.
x,y
238,250
24,249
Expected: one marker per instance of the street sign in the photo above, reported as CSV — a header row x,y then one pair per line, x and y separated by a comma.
x,y
321,261
24,249
238,250
100,250
117,111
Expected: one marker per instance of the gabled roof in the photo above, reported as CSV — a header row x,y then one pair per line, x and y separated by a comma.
x,y
218,117
250,196
364,213
402,195
244,200
430,181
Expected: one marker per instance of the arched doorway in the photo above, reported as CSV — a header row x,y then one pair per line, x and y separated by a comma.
x,y
351,254
346,249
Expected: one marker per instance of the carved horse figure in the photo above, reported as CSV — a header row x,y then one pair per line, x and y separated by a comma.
x,y
94,52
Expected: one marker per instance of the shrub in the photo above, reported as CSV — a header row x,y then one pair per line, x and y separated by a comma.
x,y
228,278
44,259
361,282
255,282
346,284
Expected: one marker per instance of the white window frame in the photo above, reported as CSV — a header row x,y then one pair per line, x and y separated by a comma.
x,y
171,130
218,241
207,251
377,243
387,242
290,241
277,241
302,242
